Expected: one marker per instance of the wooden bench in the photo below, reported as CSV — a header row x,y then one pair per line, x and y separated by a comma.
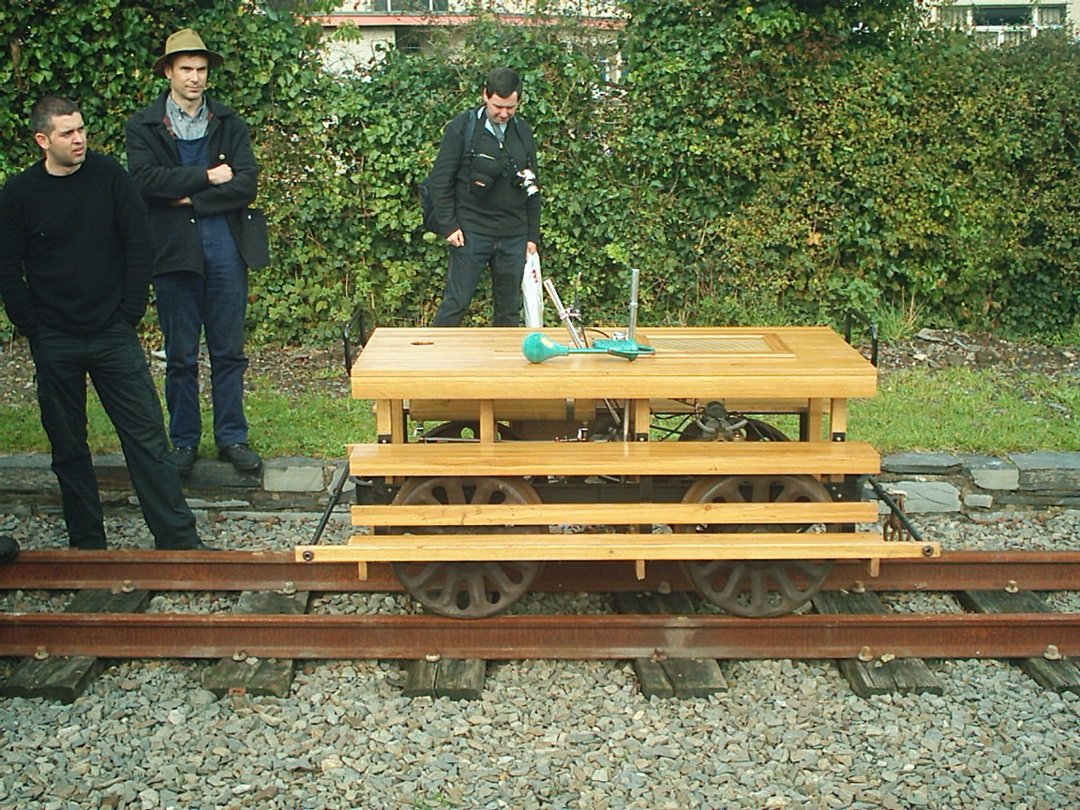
x,y
627,546
613,458
616,531
400,516
688,531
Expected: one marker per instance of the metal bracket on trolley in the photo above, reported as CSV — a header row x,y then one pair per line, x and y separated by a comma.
x,y
537,347
898,526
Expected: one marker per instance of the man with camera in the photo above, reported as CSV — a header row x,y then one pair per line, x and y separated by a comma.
x,y
483,187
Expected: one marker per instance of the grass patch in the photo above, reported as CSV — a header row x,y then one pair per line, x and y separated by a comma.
x,y
281,425
957,409
969,410
307,425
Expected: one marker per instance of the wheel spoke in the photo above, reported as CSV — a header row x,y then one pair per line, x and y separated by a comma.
x,y
757,588
467,589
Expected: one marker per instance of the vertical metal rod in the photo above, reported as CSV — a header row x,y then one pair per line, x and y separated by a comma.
x,y
631,329
564,314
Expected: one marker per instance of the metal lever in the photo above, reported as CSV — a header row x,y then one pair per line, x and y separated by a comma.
x,y
565,314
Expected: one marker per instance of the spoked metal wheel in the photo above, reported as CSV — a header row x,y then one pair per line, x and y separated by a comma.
x,y
467,590
757,588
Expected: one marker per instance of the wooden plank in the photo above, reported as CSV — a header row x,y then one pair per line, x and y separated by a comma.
x,y
897,676
453,678
641,418
838,420
814,415
616,514
488,430
487,363
460,679
671,677
614,546
420,678
257,676
1057,675
66,677
390,420
614,458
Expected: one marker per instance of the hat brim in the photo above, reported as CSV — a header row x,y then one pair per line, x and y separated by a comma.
x,y
213,59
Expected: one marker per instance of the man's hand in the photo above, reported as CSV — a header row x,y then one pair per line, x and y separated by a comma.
x,y
531,248
219,174
456,239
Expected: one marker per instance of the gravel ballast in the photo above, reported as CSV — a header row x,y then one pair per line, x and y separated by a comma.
x,y
546,734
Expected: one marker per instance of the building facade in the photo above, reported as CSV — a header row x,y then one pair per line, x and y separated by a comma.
x,y
366,27
999,22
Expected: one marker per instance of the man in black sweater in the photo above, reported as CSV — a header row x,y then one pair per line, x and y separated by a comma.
x,y
486,200
75,257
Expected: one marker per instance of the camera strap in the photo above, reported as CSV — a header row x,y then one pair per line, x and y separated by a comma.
x,y
471,133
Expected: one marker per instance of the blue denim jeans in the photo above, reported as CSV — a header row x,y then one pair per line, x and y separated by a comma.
x,y
506,257
188,304
115,362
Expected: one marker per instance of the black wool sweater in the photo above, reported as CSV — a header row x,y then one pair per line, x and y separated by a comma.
x,y
75,250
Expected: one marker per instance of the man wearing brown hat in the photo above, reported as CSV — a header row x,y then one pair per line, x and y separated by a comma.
x,y
192,160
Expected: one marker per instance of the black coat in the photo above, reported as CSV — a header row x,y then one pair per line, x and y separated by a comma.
x,y
154,163
503,211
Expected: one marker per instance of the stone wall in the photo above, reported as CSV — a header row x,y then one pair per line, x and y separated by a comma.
x,y
931,482
979,485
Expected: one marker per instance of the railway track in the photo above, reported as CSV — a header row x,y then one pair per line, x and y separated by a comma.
x,y
869,638
278,570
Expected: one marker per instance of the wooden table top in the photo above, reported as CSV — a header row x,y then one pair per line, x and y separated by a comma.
x,y
689,362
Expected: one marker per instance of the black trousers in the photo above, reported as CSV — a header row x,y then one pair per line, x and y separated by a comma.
x,y
506,257
115,362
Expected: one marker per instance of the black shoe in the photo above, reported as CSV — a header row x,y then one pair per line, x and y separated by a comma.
x,y
200,546
242,457
184,459
9,549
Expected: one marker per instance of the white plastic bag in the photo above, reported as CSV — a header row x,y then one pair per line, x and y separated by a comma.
x,y
532,292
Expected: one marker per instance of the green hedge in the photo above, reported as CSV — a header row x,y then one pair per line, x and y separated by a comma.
x,y
781,162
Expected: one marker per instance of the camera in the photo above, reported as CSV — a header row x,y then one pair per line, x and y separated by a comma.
x,y
526,181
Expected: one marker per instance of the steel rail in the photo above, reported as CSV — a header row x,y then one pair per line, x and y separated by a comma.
x,y
277,570
549,637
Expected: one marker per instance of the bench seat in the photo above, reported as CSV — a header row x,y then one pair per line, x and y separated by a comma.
x,y
611,514
508,458
615,546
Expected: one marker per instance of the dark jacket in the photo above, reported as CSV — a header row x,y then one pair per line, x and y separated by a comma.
x,y
505,210
154,163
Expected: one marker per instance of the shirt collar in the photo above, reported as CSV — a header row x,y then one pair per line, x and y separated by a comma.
x,y
183,126
177,113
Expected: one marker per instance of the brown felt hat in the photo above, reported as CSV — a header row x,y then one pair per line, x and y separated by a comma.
x,y
186,41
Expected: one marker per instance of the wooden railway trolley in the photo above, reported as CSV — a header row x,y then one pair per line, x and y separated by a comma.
x,y
487,466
